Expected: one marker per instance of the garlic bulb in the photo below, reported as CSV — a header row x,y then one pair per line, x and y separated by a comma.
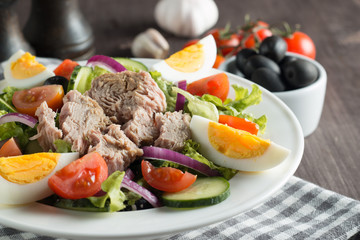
x,y
187,18
150,44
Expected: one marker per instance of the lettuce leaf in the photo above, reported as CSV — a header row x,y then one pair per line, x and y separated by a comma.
x,y
113,193
166,87
243,99
6,99
191,149
12,129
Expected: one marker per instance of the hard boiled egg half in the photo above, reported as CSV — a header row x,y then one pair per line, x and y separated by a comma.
x,y
233,148
191,63
22,70
24,179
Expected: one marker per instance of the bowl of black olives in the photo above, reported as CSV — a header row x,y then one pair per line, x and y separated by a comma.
x,y
299,81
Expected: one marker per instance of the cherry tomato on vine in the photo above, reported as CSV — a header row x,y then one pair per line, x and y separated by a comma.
x,y
225,40
301,43
257,37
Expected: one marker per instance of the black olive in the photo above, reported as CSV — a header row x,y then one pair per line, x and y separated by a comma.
x,y
242,56
57,80
300,73
268,79
232,68
273,47
286,60
258,61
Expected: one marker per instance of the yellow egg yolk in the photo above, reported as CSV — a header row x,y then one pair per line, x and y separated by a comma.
x,y
26,66
188,60
235,143
28,168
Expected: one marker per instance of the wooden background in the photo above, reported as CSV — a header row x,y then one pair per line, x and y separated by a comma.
x,y
332,153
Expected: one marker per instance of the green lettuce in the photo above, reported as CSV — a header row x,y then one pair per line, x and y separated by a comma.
x,y
191,149
243,99
166,88
114,195
6,99
199,107
12,129
62,146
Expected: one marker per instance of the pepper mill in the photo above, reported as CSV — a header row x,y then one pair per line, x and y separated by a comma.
x,y
11,37
58,29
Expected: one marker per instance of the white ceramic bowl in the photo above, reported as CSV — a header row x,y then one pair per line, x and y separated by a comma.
x,y
306,103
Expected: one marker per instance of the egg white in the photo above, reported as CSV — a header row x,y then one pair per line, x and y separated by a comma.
x,y
273,156
13,193
173,75
27,82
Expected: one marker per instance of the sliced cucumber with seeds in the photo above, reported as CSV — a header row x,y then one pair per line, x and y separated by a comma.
x,y
131,64
203,192
80,79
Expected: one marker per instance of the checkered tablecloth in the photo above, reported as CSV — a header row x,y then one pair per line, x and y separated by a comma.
x,y
299,210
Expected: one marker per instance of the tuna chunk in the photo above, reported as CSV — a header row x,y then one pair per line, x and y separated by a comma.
x,y
117,149
130,99
174,130
122,94
79,115
47,130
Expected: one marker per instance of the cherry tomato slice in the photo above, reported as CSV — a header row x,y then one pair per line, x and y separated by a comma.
x,y
239,123
217,85
66,68
28,100
166,179
81,178
10,148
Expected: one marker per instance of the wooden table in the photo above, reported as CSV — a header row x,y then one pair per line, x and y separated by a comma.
x,y
332,153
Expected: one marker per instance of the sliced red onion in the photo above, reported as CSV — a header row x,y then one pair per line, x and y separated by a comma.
x,y
169,155
136,188
180,99
129,174
19,117
105,62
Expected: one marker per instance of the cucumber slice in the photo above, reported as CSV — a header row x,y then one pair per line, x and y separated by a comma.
x,y
80,79
203,192
131,64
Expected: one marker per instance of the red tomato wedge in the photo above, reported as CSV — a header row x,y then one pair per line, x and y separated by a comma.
x,y
28,100
239,123
166,179
81,178
217,85
66,68
218,61
10,149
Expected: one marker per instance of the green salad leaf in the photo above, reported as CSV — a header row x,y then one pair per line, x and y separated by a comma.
x,y
113,193
199,107
6,99
243,99
191,149
166,88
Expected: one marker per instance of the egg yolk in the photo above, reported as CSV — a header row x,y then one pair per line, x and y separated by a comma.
x,y
235,143
188,60
28,168
26,66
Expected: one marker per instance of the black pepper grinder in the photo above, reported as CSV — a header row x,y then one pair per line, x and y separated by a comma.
x,y
11,37
57,28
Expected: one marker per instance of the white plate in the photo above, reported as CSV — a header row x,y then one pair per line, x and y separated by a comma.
x,y
247,191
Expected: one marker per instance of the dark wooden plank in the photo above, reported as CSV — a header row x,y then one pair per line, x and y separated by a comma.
x,y
331,158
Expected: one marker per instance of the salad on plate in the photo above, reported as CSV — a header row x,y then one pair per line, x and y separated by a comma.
x,y
113,135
